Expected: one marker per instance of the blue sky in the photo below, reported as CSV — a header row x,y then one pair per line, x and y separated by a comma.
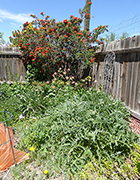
x,y
13,13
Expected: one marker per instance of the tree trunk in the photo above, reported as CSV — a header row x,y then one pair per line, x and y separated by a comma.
x,y
87,21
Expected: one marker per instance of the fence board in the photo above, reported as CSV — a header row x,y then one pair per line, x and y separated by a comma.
x,y
128,81
12,69
94,74
133,79
136,68
120,86
114,81
137,95
117,79
124,78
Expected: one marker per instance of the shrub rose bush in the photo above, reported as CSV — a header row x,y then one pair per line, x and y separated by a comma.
x,y
47,45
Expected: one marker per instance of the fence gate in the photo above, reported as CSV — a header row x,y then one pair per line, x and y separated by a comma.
x,y
108,72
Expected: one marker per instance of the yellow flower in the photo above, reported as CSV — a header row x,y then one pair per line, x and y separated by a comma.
x,y
67,83
24,31
28,154
32,148
88,77
46,172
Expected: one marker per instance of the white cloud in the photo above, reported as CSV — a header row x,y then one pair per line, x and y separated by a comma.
x,y
19,18
14,25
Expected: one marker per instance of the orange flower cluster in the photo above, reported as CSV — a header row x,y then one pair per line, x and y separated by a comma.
x,y
49,44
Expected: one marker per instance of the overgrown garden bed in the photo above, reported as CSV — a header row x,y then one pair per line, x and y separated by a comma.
x,y
73,132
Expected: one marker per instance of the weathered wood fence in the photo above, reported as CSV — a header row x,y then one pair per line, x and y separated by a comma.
x,y
126,81
11,66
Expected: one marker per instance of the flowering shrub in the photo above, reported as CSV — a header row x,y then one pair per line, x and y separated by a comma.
x,y
47,45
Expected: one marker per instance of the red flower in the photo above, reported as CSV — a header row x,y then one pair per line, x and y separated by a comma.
x,y
92,60
41,13
20,44
42,84
71,16
65,21
74,28
65,36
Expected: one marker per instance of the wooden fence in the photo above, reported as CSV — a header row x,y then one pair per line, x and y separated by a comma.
x,y
11,66
126,82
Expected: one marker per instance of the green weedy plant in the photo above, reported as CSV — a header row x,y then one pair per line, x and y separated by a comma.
x,y
110,169
31,99
88,124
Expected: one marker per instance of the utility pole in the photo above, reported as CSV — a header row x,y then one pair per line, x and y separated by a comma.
x,y
86,20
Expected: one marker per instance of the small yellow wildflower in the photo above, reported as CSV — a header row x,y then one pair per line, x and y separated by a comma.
x,y
46,172
67,83
32,148
28,154
88,77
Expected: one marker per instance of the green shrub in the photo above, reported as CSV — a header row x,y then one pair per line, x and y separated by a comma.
x,y
47,45
87,124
